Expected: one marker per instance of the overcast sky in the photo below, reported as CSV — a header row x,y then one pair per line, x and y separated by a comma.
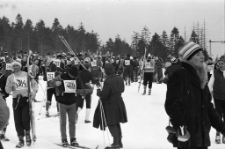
x,y
111,17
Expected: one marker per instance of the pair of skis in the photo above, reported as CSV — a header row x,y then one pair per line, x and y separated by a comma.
x,y
142,71
31,103
74,147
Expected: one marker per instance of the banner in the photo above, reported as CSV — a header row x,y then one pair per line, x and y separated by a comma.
x,y
50,75
8,66
21,83
70,86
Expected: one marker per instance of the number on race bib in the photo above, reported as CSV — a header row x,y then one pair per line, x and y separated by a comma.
x,y
21,83
8,66
127,62
94,63
57,63
70,86
50,76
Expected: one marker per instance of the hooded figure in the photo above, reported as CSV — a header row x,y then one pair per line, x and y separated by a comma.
x,y
113,106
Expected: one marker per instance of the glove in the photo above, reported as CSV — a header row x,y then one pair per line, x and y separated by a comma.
x,y
183,134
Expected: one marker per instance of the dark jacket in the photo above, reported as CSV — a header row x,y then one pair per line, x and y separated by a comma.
x,y
3,80
65,98
113,105
219,85
189,105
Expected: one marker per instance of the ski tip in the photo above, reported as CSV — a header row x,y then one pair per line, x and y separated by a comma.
x,y
96,147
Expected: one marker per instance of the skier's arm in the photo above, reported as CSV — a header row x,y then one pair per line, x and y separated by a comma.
x,y
8,87
52,83
105,91
173,100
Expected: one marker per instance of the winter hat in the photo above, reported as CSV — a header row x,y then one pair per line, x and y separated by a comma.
x,y
73,71
189,50
109,69
16,63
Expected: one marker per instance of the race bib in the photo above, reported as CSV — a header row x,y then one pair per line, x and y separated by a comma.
x,y
21,83
148,65
57,63
117,61
8,66
76,62
127,62
94,63
50,76
70,86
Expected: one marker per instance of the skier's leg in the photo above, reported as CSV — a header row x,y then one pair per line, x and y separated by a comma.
x,y
49,100
145,83
72,124
150,79
116,138
17,110
26,122
62,115
88,108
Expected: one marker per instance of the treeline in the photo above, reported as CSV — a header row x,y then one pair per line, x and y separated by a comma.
x,y
17,36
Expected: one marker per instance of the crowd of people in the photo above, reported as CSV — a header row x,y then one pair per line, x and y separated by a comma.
x,y
195,97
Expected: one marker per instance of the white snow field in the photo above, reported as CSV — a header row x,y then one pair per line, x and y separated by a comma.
x,y
145,129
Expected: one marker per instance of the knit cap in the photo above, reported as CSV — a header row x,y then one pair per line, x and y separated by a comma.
x,y
189,50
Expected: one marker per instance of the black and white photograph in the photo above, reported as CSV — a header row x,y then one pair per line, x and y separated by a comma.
x,y
112,74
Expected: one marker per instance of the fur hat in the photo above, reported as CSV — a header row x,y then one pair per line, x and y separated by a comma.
x,y
16,63
189,50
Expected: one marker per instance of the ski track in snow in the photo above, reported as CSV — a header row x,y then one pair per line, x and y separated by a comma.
x,y
145,129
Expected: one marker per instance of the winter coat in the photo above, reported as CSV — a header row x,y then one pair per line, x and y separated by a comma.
x,y
113,105
188,103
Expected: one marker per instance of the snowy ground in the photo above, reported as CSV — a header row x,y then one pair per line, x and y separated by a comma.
x,y
145,128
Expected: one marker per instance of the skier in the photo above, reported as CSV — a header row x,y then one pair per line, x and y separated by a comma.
x,y
4,95
127,69
17,83
216,86
113,105
149,69
65,86
86,78
4,116
51,73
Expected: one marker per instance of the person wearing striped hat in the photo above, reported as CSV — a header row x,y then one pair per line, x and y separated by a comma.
x,y
189,102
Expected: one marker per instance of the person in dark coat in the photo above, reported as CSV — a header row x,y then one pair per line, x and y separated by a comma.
x,y
188,101
216,86
113,105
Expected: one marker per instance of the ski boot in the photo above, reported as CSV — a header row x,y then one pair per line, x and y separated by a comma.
x,y
116,144
28,138
47,114
73,142
3,138
217,140
65,143
21,142
149,92
223,139
144,90
121,144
